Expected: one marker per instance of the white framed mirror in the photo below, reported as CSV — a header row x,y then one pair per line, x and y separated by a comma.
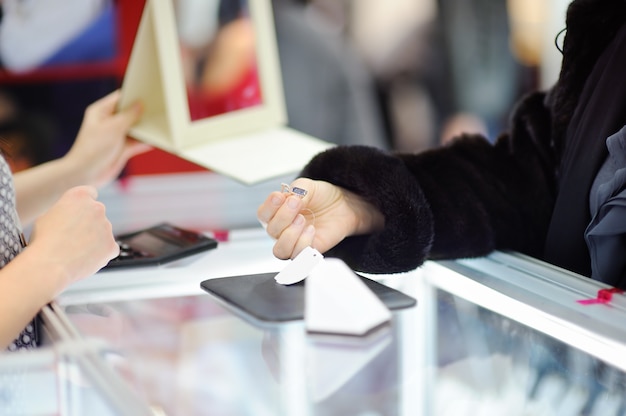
x,y
208,75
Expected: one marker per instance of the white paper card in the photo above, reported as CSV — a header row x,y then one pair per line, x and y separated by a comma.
x,y
337,301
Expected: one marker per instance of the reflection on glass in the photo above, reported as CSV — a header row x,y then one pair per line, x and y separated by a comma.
x,y
185,356
189,356
489,364
218,52
56,381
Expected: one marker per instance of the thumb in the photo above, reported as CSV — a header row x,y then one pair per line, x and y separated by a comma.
x,y
130,115
134,147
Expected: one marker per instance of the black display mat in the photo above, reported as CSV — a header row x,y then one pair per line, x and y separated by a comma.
x,y
260,297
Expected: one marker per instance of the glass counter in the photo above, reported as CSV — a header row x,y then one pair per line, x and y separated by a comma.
x,y
188,355
509,335
64,377
499,335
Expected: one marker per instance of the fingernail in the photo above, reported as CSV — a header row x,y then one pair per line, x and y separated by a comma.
x,y
299,220
276,201
293,202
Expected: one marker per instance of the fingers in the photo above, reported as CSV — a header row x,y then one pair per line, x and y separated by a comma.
x,y
270,210
134,147
286,214
283,220
267,210
294,239
91,191
106,105
91,219
130,115
305,240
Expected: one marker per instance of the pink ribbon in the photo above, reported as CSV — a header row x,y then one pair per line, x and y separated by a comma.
x,y
604,296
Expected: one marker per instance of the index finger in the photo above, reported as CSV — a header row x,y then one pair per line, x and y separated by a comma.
x,y
106,105
268,208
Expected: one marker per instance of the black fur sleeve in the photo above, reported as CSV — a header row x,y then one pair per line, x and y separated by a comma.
x,y
462,200
383,180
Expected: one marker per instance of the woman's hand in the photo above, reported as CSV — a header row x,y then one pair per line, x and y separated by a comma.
x,y
321,219
71,241
97,156
102,147
74,237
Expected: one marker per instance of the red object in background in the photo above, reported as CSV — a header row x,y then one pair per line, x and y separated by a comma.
x,y
240,90
244,93
157,161
221,235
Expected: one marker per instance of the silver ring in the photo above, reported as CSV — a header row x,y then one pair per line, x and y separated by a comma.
x,y
299,192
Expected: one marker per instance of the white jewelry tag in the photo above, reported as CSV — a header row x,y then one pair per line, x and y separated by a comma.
x,y
300,267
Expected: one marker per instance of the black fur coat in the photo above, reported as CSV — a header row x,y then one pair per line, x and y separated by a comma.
x,y
471,197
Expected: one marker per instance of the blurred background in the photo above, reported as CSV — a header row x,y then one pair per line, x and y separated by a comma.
x,y
400,74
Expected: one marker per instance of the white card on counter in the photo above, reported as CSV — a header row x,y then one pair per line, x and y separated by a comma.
x,y
337,301
300,267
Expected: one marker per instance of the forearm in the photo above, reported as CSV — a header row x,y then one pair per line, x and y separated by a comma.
x,y
485,197
39,187
26,285
480,199
97,156
399,236
458,201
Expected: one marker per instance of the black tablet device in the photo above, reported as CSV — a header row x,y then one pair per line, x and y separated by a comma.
x,y
261,298
158,245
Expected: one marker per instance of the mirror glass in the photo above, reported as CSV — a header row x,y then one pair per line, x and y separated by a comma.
x,y
218,54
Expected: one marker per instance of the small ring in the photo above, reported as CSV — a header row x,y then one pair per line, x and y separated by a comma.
x,y
299,192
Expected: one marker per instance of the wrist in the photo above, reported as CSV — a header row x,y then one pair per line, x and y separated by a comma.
x,y
74,170
45,276
367,218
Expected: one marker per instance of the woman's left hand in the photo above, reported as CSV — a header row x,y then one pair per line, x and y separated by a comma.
x,y
102,147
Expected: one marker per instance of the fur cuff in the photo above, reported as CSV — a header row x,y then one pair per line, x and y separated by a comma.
x,y
384,181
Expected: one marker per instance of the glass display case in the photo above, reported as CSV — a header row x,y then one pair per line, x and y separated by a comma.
x,y
502,334
190,355
64,377
507,334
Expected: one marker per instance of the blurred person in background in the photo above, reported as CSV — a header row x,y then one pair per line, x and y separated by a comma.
x,y
440,66
329,91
